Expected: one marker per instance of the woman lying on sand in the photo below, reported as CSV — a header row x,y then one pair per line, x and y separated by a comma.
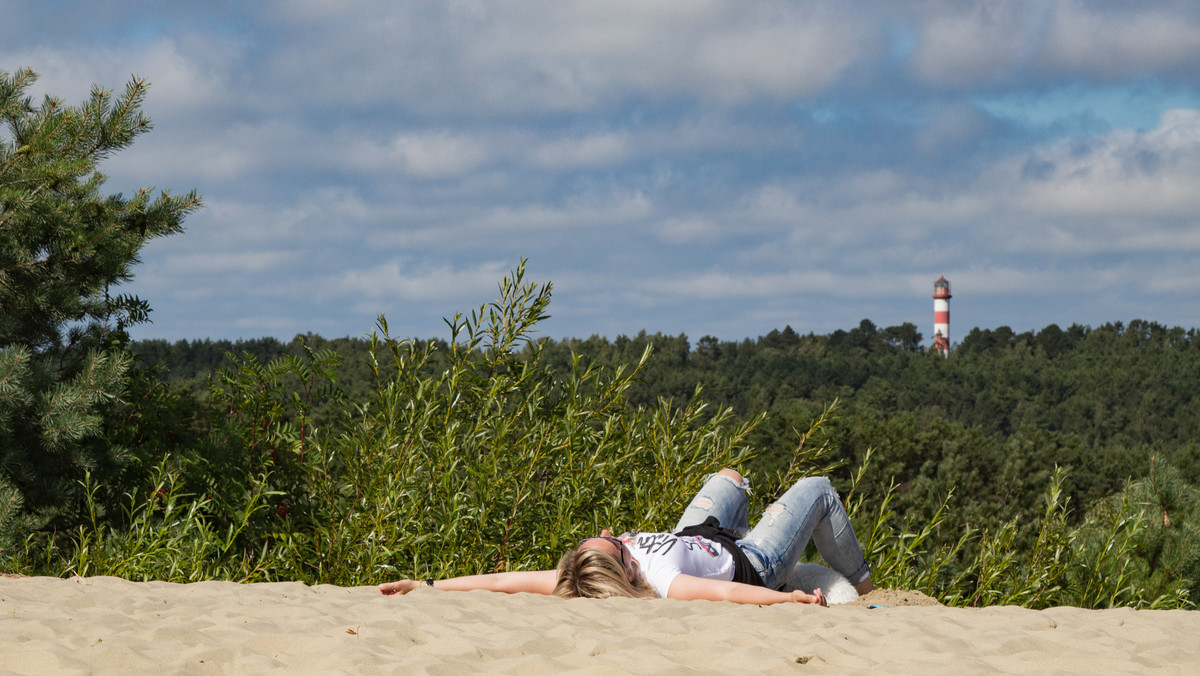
x,y
712,553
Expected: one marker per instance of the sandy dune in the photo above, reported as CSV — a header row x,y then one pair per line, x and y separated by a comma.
x,y
108,625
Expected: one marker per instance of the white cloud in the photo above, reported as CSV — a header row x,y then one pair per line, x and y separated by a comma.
x,y
978,281
399,279
1132,40
235,153
226,262
872,209
590,150
276,324
692,230
438,154
1171,277
523,226
572,55
187,79
964,44
1122,191
719,284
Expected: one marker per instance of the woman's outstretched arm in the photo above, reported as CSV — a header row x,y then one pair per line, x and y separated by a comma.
x,y
529,581
691,588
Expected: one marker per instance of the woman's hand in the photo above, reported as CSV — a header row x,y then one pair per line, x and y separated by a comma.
x,y
399,587
817,597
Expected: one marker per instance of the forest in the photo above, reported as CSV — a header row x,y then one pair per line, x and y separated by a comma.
x,y
1102,402
1057,467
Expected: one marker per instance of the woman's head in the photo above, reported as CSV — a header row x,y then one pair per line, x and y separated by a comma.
x,y
599,568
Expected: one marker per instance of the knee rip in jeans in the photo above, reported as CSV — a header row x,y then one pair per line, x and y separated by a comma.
x,y
774,511
744,485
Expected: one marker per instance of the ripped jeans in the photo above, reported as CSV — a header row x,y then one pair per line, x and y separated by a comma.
x,y
810,509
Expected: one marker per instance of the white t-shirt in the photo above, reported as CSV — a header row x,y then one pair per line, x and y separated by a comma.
x,y
662,556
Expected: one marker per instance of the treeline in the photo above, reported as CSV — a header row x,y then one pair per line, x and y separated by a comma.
x,y
1100,400
1114,384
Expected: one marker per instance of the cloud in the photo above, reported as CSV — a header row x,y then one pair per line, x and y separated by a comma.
x,y
276,324
1124,191
521,227
679,166
228,262
472,59
1177,277
971,44
1128,41
438,154
213,156
715,284
408,280
187,74
1117,192
981,45
426,154
590,150
687,231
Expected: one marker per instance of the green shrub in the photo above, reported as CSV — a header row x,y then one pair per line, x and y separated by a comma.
x,y
169,536
471,457
493,462
1107,561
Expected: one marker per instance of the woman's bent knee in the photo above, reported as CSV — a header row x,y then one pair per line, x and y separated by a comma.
x,y
821,483
732,474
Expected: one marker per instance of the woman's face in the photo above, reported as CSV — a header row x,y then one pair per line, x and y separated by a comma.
x,y
610,545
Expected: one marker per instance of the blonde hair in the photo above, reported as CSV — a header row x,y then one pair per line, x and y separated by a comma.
x,y
592,573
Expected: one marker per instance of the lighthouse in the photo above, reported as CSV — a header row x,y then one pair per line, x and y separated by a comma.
x,y
941,315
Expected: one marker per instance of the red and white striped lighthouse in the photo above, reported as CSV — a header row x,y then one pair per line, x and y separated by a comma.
x,y
941,315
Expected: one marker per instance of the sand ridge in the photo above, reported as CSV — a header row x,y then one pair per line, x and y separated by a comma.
x,y
109,625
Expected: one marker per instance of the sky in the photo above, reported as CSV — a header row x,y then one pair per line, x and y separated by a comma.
x,y
676,166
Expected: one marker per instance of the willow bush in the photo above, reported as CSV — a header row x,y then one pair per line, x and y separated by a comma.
x,y
1125,553
169,535
490,462
471,456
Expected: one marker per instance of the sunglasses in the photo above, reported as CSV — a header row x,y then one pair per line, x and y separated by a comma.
x,y
619,545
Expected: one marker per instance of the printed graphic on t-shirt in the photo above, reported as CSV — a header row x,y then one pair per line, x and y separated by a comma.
x,y
662,543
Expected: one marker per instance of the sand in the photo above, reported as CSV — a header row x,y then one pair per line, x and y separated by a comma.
x,y
109,625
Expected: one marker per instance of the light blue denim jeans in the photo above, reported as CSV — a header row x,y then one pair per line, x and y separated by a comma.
x,y
811,509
